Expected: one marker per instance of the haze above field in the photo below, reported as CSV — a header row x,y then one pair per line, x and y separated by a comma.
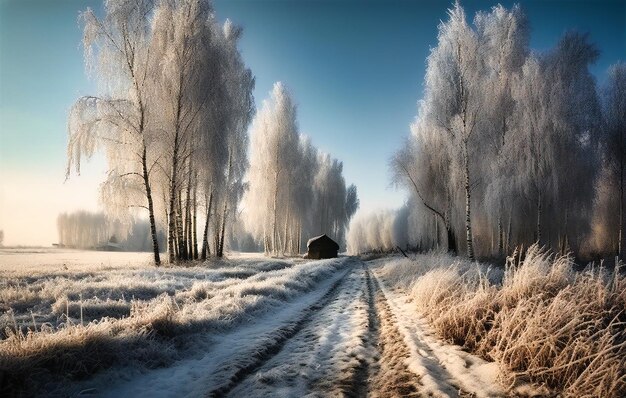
x,y
356,71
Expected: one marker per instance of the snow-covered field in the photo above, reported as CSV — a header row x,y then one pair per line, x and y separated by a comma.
x,y
250,326
22,260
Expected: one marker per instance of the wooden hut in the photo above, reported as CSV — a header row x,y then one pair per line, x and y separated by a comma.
x,y
321,247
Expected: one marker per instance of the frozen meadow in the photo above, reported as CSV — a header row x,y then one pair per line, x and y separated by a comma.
x,y
247,325
69,319
430,325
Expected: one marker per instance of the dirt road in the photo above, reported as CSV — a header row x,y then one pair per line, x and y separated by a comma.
x,y
349,336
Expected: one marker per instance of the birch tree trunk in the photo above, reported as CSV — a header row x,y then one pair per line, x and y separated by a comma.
x,y
172,206
299,237
436,240
205,238
188,251
620,238
195,219
538,231
153,231
468,220
182,253
274,237
285,248
500,237
451,239
220,252
509,232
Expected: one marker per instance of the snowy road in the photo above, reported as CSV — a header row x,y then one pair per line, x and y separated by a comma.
x,y
349,336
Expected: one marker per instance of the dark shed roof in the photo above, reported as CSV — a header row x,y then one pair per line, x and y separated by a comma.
x,y
321,241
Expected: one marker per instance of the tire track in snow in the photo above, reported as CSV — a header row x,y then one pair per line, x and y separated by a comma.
x,y
264,354
360,381
349,346
329,357
390,376
444,370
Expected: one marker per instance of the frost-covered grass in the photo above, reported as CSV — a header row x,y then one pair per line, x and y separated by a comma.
x,y
61,325
54,295
541,320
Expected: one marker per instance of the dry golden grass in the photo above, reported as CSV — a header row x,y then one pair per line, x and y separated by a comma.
x,y
543,322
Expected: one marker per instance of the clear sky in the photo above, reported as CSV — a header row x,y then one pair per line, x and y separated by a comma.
x,y
355,68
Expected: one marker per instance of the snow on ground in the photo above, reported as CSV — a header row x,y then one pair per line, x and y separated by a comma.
x,y
223,356
48,292
337,340
21,260
248,326
157,313
350,336
324,354
445,370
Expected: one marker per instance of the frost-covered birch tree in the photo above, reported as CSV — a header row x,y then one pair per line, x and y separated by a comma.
x,y
175,103
609,206
454,101
275,148
421,166
205,105
117,118
301,222
557,128
503,36
183,42
577,118
508,128
330,193
294,191
239,109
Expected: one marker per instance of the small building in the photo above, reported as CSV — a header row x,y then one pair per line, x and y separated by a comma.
x,y
112,245
321,247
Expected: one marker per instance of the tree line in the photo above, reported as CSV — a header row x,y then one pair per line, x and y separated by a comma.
x,y
513,146
88,230
171,115
295,191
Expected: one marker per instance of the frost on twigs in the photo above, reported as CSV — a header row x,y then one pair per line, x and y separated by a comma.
x,y
505,139
295,191
173,102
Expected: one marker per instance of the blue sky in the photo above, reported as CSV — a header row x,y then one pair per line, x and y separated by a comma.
x,y
355,68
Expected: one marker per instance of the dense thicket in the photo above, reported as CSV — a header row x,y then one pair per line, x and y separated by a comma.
x,y
512,146
295,191
608,217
